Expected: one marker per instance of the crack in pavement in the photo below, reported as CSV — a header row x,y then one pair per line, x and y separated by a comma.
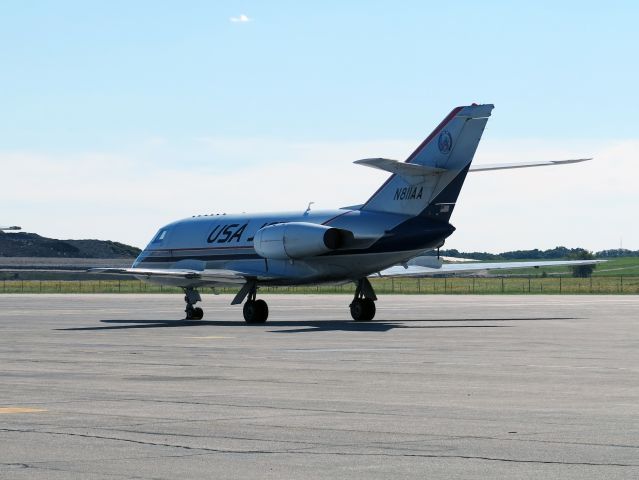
x,y
306,452
266,407
443,436
45,466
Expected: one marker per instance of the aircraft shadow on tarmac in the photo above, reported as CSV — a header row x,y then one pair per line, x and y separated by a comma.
x,y
301,326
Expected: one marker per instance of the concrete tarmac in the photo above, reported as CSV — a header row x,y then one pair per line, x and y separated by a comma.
x,y
517,387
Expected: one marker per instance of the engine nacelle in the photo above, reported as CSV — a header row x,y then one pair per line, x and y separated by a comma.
x,y
295,240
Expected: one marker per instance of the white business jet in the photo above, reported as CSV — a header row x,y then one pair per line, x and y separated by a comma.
x,y
385,236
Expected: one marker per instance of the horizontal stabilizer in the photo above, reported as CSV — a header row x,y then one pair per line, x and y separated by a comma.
x,y
508,166
400,168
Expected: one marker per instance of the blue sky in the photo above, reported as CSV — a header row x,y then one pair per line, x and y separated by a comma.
x,y
168,86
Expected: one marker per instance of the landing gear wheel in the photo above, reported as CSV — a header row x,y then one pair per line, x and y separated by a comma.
x,y
363,304
255,311
369,305
194,313
363,309
191,297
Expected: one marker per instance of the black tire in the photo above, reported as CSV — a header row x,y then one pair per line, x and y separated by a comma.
x,y
249,311
255,311
197,314
363,309
263,309
370,309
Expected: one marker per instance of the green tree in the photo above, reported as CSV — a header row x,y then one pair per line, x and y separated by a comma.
x,y
582,271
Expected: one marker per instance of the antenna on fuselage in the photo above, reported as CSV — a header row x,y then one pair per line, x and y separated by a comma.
x,y
308,209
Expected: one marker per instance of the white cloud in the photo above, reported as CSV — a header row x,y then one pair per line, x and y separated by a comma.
x,y
590,204
126,197
240,19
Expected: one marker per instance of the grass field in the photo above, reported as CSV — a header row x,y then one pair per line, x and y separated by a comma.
x,y
604,284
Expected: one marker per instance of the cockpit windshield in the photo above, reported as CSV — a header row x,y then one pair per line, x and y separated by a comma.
x,y
160,236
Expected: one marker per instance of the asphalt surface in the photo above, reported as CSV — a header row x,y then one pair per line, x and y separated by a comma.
x,y
517,387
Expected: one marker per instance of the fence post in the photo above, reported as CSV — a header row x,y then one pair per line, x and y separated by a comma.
x,y
502,284
559,283
119,286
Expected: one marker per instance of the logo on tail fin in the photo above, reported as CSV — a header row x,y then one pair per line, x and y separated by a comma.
x,y
445,142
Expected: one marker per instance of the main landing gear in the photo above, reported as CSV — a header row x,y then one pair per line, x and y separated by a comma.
x,y
191,297
363,305
255,311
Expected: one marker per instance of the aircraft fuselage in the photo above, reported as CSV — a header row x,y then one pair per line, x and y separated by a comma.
x,y
227,242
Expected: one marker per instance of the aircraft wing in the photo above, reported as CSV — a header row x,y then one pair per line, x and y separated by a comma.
x,y
455,268
507,166
210,275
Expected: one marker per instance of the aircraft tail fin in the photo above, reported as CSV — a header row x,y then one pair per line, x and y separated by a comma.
x,y
429,181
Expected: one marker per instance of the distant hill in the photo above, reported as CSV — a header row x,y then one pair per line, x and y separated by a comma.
x,y
25,244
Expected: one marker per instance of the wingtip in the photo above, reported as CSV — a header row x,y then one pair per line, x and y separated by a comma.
x,y
576,160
